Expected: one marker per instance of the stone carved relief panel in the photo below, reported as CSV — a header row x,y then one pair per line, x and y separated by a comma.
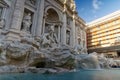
x,y
68,21
83,35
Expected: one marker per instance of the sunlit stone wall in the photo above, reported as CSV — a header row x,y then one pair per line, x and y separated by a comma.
x,y
35,18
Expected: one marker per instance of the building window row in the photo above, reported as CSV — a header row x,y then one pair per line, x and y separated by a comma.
x,y
101,28
104,30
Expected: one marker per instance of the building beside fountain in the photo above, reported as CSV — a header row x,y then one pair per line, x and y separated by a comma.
x,y
103,35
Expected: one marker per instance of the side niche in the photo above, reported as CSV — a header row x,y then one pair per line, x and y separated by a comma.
x,y
2,21
27,21
1,10
68,37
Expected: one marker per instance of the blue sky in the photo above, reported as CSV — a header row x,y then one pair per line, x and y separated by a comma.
x,y
90,10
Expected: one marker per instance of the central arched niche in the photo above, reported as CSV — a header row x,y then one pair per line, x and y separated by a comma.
x,y
52,16
52,19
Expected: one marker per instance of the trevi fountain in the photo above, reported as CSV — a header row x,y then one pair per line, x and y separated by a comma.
x,y
46,40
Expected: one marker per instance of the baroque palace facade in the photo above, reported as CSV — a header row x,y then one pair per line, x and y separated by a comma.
x,y
34,18
103,35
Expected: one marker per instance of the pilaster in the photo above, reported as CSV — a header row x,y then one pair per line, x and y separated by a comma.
x,y
59,33
85,40
64,29
73,29
63,36
40,18
15,27
18,15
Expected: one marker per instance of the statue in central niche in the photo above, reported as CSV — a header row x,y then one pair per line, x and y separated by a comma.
x,y
52,34
50,39
27,23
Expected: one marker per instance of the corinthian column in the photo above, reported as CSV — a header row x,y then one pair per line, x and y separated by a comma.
x,y
16,20
64,28
73,39
18,14
40,18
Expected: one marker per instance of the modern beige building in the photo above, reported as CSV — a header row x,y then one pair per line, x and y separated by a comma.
x,y
103,35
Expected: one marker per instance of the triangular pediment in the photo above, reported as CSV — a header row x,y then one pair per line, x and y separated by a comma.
x,y
3,3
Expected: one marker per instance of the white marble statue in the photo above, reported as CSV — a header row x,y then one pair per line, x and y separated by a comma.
x,y
46,40
73,6
68,38
2,23
77,49
27,23
52,35
49,39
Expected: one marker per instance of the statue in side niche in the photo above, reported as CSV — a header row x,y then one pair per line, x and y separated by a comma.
x,y
27,23
2,23
68,38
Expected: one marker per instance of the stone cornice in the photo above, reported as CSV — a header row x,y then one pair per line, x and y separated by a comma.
x,y
3,3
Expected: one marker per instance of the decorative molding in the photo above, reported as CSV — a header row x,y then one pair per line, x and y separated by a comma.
x,y
3,3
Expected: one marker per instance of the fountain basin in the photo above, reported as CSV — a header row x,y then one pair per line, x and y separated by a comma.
x,y
108,74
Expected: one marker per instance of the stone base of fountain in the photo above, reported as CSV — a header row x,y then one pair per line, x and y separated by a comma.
x,y
28,56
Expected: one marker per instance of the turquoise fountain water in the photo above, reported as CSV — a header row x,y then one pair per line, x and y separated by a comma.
x,y
63,57
113,74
